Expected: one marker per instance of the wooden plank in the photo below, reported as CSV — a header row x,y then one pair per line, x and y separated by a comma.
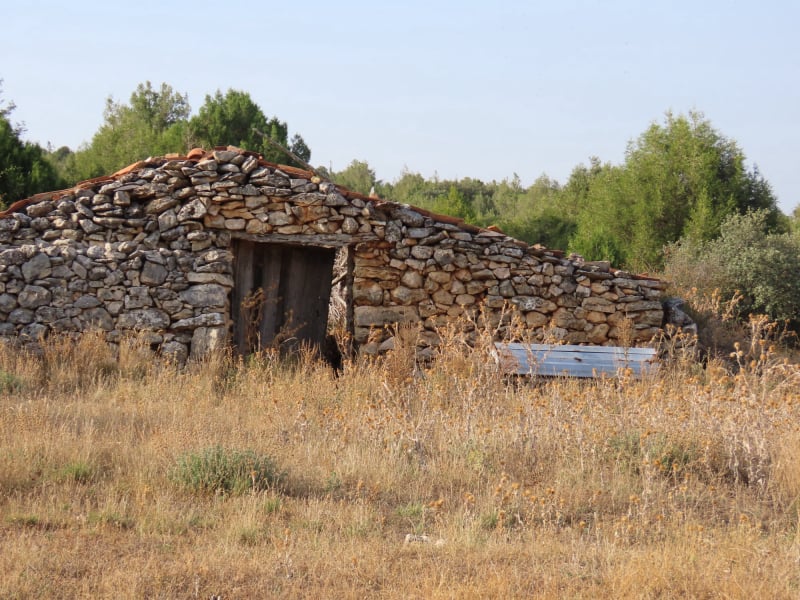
x,y
327,240
574,361
269,272
243,269
307,288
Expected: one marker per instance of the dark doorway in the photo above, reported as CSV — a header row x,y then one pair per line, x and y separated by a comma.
x,y
281,295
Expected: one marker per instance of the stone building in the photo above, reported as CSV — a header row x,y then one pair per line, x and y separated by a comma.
x,y
222,247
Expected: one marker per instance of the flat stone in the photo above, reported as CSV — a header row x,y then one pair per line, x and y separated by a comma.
x,y
151,319
33,296
204,320
379,316
87,302
159,205
153,273
37,267
598,304
220,278
205,295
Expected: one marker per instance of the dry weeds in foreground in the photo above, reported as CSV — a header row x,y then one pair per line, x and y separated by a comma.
x,y
686,485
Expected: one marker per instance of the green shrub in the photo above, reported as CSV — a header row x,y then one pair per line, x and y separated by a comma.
x,y
9,383
78,472
222,470
747,259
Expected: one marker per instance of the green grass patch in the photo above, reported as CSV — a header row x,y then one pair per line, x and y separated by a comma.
x,y
227,471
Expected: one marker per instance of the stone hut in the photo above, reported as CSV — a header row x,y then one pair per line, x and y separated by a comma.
x,y
221,247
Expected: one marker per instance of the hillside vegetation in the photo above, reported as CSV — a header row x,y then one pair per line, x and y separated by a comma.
x,y
124,477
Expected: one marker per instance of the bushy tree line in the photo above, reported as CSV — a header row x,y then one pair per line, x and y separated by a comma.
x,y
158,121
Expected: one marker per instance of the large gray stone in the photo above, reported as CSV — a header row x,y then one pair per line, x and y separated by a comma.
x,y
378,316
175,351
406,295
153,273
33,296
12,256
21,316
144,319
206,340
208,294
98,317
195,209
37,267
7,303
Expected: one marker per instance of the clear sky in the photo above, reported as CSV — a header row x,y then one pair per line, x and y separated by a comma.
x,y
458,89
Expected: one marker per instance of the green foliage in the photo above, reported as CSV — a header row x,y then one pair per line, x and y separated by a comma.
x,y
222,470
455,204
9,383
156,122
679,178
152,124
78,472
24,168
747,258
358,177
233,118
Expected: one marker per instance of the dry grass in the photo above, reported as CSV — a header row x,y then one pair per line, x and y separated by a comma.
x,y
685,485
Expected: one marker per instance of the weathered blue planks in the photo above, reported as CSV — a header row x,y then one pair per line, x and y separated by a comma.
x,y
548,360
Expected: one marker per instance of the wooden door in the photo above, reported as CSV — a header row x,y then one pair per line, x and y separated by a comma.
x,y
281,295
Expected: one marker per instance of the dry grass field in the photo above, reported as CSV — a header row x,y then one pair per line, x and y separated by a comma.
x,y
123,477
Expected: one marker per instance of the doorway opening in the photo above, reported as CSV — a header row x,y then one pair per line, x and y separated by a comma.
x,y
281,296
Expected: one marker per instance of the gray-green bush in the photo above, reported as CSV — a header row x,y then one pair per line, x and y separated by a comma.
x,y
747,258
217,469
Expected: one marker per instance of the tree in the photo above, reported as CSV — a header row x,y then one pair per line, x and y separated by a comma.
x,y
233,118
154,123
358,177
24,168
455,204
678,178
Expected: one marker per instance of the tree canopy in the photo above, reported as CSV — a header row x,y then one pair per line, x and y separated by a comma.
x,y
24,168
234,119
679,178
157,122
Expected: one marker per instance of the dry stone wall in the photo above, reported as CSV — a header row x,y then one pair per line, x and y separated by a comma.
x,y
151,249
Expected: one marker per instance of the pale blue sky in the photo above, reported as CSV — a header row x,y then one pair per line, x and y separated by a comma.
x,y
462,89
